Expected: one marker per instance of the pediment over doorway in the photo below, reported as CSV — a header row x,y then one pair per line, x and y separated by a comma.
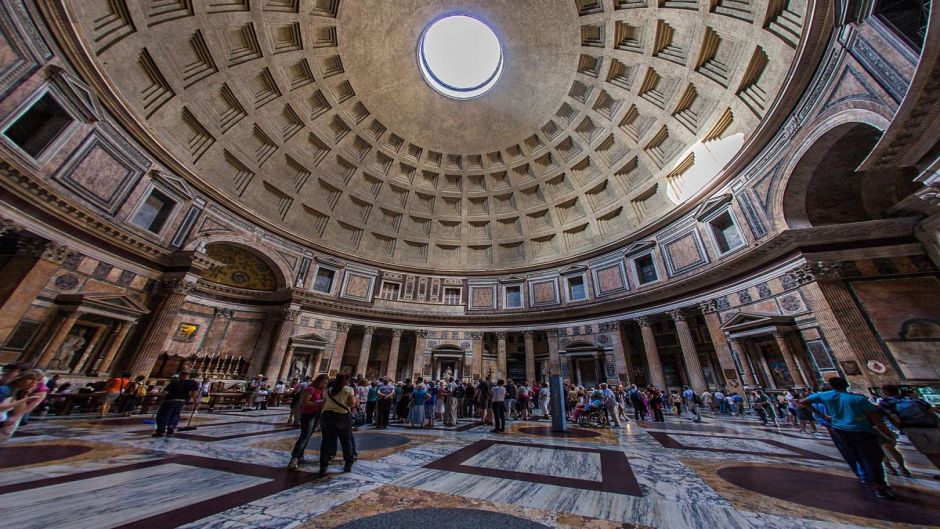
x,y
747,321
110,305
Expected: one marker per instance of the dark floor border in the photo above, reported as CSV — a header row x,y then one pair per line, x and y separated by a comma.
x,y
213,439
616,475
280,481
665,439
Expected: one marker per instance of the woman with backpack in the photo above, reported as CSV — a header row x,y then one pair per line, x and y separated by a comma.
x,y
915,418
133,394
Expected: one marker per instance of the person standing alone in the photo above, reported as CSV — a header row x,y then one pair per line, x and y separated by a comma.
x,y
177,393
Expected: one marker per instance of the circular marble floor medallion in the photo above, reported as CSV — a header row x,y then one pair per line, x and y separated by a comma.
x,y
546,431
21,455
449,518
835,493
370,441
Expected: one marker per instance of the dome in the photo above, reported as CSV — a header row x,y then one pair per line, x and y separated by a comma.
x,y
316,121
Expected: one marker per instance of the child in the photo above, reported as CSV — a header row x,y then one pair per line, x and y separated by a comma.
x,y
261,398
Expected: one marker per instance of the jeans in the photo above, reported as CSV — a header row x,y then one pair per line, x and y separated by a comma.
x,y
499,416
862,452
308,423
370,411
384,408
658,415
168,416
336,426
130,404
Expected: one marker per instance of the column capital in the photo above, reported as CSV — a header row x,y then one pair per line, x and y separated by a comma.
x,y
610,326
224,313
290,314
815,271
8,226
368,330
643,321
42,249
181,285
500,335
529,334
677,315
421,333
708,306
343,326
475,335
930,194
553,333
396,333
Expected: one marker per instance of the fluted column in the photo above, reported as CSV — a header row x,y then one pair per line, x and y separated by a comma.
x,y
163,324
278,352
42,259
476,355
317,360
393,352
689,352
795,374
653,362
363,364
616,343
63,328
260,353
501,366
418,364
120,334
339,347
765,368
530,356
720,342
747,371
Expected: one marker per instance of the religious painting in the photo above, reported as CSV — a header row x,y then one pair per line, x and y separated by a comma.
x,y
910,330
186,332
850,367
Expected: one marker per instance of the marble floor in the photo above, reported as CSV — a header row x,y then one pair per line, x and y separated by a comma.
x,y
229,472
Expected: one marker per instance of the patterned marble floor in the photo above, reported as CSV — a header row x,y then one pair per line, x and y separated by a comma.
x,y
229,473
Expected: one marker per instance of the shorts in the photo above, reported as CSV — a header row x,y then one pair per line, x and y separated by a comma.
x,y
486,403
110,398
925,440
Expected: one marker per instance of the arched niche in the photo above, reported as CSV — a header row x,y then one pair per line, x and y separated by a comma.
x,y
244,268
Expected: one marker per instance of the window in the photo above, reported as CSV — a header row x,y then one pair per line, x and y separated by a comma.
x,y
323,282
727,235
645,269
390,291
576,290
39,126
908,18
452,296
154,212
513,297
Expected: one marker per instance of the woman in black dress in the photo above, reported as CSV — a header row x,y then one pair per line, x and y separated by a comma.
x,y
401,411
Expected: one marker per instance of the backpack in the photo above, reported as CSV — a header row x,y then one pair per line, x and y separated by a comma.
x,y
697,399
459,392
914,413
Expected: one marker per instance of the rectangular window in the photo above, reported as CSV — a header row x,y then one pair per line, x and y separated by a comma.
x,y
324,280
907,18
513,297
154,212
726,233
645,269
576,290
452,296
390,291
39,126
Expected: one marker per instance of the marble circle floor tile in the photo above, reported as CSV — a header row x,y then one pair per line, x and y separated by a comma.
x,y
31,454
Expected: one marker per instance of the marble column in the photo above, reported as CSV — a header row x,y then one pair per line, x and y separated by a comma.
x,y
689,353
417,369
554,357
653,362
260,353
90,349
66,322
722,348
317,360
748,374
339,347
363,364
38,262
501,365
279,347
795,374
119,335
765,369
530,356
392,367
616,343
476,351
162,324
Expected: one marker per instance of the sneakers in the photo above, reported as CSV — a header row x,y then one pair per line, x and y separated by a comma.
x,y
885,494
292,465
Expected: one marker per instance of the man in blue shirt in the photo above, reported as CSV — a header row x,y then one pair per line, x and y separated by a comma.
x,y
853,420
385,392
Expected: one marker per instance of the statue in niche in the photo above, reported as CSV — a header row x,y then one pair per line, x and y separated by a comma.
x,y
298,369
73,344
447,374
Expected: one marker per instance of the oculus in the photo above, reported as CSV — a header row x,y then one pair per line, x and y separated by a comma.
x,y
460,57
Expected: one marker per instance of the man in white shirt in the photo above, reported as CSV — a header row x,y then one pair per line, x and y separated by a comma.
x,y
499,407
720,399
450,403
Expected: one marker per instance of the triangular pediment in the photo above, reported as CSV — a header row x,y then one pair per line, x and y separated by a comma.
x,y
330,261
639,246
512,279
749,320
79,94
173,183
573,269
712,205
308,340
105,304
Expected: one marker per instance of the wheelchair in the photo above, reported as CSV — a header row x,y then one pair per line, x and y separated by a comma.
x,y
594,418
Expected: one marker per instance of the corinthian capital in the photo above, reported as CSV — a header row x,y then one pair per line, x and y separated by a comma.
x,y
815,271
643,321
677,315
179,285
708,306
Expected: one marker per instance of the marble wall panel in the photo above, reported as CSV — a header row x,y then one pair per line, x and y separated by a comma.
x,y
684,252
100,173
